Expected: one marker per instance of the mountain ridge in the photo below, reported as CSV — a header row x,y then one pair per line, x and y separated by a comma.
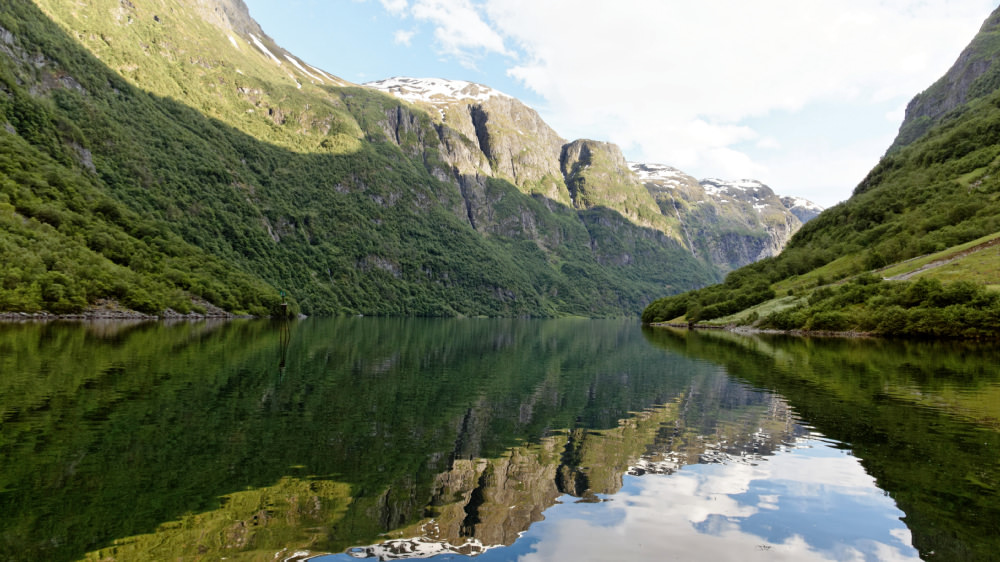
x,y
158,155
595,173
340,196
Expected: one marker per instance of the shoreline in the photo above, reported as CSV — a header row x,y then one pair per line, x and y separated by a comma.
x,y
750,330
113,315
109,309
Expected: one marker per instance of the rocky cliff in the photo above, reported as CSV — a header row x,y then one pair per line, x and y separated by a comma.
x,y
973,75
727,223
486,134
503,137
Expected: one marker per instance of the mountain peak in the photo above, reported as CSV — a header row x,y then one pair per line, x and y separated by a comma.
x,y
435,90
657,172
715,185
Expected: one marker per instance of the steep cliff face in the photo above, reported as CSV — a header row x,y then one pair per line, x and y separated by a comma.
x,y
727,223
975,74
598,176
483,135
509,140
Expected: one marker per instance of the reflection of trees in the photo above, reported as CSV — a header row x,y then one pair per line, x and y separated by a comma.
x,y
921,416
175,421
377,426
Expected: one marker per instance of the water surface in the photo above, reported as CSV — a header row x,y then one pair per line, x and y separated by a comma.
x,y
500,439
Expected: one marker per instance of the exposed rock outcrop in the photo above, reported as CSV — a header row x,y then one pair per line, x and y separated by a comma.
x,y
975,74
483,134
728,223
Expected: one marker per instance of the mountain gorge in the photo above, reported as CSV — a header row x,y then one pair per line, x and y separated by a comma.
x,y
516,145
169,156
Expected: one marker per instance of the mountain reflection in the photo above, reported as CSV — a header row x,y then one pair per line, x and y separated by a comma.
x,y
500,439
484,503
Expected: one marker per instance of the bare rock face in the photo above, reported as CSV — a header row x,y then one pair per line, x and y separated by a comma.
x,y
728,223
975,74
478,135
510,138
598,176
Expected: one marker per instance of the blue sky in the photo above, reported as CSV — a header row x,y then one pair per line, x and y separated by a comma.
x,y
804,96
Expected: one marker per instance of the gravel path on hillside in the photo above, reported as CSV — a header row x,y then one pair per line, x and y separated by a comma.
x,y
945,261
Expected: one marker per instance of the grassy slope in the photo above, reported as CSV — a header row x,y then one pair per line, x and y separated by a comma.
x,y
181,164
932,196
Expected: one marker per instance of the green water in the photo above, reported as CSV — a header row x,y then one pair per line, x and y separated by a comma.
x,y
253,440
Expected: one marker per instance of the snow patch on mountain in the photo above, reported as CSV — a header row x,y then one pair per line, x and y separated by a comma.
x,y
656,172
435,90
801,203
716,185
260,45
725,191
304,71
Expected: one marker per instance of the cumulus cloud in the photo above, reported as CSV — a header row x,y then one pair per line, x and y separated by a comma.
x,y
765,511
459,29
403,37
675,77
395,6
676,81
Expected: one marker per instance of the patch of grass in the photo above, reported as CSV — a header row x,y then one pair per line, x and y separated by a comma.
x,y
914,264
763,309
839,268
981,267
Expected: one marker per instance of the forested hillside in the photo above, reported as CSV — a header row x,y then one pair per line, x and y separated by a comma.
x,y
162,154
928,196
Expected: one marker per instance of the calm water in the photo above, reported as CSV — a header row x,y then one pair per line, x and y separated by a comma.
x,y
500,439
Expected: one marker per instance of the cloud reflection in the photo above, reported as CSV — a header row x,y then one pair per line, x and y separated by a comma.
x,y
808,502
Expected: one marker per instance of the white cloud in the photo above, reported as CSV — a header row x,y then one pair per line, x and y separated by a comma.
x,y
675,82
397,7
459,29
768,143
677,79
403,37
736,511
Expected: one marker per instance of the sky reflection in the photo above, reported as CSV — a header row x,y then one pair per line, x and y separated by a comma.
x,y
811,501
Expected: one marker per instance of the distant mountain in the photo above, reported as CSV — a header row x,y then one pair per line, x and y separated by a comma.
x,y
173,159
804,209
588,174
728,223
913,251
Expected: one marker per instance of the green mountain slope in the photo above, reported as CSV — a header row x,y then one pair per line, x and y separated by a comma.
x,y
974,75
156,154
937,192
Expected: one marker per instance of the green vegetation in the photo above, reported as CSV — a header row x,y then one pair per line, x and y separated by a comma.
x,y
936,195
921,417
149,159
736,293
925,308
141,432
